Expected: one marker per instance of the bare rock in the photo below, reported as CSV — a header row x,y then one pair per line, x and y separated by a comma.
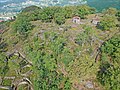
x,y
89,85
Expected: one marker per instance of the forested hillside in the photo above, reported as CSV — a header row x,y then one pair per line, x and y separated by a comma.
x,y
61,48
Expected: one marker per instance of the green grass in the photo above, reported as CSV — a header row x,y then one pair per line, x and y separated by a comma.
x,y
82,67
7,82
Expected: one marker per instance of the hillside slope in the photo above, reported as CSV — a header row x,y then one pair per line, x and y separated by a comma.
x,y
41,52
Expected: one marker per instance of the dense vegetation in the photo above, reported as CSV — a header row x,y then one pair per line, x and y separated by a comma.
x,y
109,74
56,14
46,47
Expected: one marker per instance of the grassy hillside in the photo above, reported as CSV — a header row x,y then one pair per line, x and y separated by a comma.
x,y
44,49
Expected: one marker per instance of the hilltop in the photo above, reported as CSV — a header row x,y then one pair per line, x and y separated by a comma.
x,y
61,48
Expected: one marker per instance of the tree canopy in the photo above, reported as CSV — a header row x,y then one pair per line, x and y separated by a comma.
x,y
109,70
107,22
22,25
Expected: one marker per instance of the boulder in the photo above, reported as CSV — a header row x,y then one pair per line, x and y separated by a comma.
x,y
89,85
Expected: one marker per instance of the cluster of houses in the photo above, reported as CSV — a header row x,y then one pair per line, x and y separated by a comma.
x,y
95,21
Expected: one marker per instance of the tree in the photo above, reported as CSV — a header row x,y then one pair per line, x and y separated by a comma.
x,y
30,13
84,10
112,48
69,11
30,9
110,11
108,76
85,37
118,15
66,57
22,26
29,16
48,78
107,22
44,17
81,39
47,14
4,68
3,45
109,72
59,18
67,85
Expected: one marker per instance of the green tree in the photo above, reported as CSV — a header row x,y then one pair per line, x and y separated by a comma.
x,y
84,10
30,9
107,22
112,48
3,45
85,37
30,13
59,18
44,17
118,15
47,78
22,26
81,39
109,74
110,11
47,14
67,85
69,11
4,68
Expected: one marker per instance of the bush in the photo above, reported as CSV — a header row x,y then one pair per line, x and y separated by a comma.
x,y
108,76
30,9
118,15
107,22
84,10
59,18
22,26
110,11
109,72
